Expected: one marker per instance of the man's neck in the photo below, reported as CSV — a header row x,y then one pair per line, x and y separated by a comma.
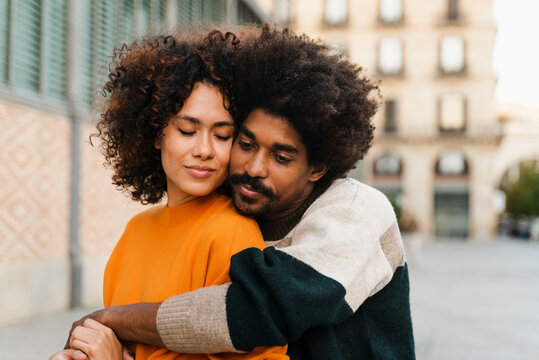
x,y
292,206
276,229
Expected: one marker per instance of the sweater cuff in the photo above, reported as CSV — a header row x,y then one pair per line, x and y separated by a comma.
x,y
196,322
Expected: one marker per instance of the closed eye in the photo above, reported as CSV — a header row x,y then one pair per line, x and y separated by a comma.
x,y
224,138
186,133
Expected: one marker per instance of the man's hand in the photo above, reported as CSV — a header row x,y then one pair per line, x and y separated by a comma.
x,y
96,341
135,323
70,354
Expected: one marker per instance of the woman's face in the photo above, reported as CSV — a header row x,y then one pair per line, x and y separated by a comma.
x,y
195,146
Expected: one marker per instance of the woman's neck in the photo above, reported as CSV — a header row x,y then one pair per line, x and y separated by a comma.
x,y
179,200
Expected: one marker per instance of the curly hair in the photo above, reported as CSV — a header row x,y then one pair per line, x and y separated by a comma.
x,y
149,81
328,100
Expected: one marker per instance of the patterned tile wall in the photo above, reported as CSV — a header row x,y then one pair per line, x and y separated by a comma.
x,y
34,184
105,210
34,189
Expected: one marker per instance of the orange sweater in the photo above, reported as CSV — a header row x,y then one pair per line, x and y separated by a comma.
x,y
168,251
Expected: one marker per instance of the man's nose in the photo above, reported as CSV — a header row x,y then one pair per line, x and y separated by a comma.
x,y
257,166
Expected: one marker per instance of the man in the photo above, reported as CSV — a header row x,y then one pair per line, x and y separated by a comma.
x,y
334,283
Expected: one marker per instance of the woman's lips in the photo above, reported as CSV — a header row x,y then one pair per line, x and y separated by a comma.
x,y
199,172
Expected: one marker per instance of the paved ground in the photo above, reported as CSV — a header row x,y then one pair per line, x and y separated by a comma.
x,y
476,301
469,301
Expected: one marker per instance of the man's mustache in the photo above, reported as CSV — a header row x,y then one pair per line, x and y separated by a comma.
x,y
255,183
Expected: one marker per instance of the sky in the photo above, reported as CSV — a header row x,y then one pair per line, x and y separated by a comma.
x,y
516,52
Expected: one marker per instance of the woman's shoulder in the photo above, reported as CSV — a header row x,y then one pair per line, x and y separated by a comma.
x,y
224,212
226,224
145,217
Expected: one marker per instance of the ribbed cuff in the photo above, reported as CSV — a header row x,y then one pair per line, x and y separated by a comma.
x,y
196,322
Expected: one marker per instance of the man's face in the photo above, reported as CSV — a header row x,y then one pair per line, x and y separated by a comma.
x,y
269,172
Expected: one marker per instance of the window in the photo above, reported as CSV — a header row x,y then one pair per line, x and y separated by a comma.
x,y
214,11
246,15
33,46
283,11
452,112
387,164
451,162
54,66
390,56
452,10
194,12
158,12
391,11
184,12
126,27
143,14
4,42
335,12
452,54
103,41
33,38
337,48
390,114
26,45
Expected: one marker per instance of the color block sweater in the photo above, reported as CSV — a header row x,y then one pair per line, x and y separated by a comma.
x,y
334,286
166,251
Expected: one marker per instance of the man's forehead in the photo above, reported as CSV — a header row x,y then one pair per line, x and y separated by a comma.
x,y
261,121
274,131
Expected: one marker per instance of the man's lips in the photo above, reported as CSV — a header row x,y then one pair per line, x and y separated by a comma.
x,y
199,171
249,191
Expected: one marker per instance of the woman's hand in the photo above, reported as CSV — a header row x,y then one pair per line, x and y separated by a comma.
x,y
69,354
96,341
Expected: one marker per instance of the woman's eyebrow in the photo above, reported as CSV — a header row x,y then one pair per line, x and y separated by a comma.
x,y
192,119
223,123
197,121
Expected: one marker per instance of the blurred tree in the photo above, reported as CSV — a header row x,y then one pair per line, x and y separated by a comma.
x,y
394,200
523,195
406,221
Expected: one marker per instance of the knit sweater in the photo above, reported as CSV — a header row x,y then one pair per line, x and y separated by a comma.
x,y
166,251
335,286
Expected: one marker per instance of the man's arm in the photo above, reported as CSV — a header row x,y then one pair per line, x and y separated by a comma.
x,y
135,323
345,249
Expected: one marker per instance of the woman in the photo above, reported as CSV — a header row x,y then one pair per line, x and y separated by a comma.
x,y
167,129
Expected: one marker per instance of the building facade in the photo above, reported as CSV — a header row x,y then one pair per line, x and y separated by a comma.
x,y
436,132
59,214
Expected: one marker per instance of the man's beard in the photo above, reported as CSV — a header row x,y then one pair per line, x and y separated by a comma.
x,y
257,185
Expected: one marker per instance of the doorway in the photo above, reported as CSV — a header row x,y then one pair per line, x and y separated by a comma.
x,y
451,214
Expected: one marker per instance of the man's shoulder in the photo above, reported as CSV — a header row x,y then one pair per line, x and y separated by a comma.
x,y
352,193
352,202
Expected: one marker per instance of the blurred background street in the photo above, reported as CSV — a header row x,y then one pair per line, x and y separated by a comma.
x,y
470,301
456,151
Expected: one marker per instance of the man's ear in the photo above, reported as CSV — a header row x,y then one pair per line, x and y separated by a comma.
x,y
317,172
